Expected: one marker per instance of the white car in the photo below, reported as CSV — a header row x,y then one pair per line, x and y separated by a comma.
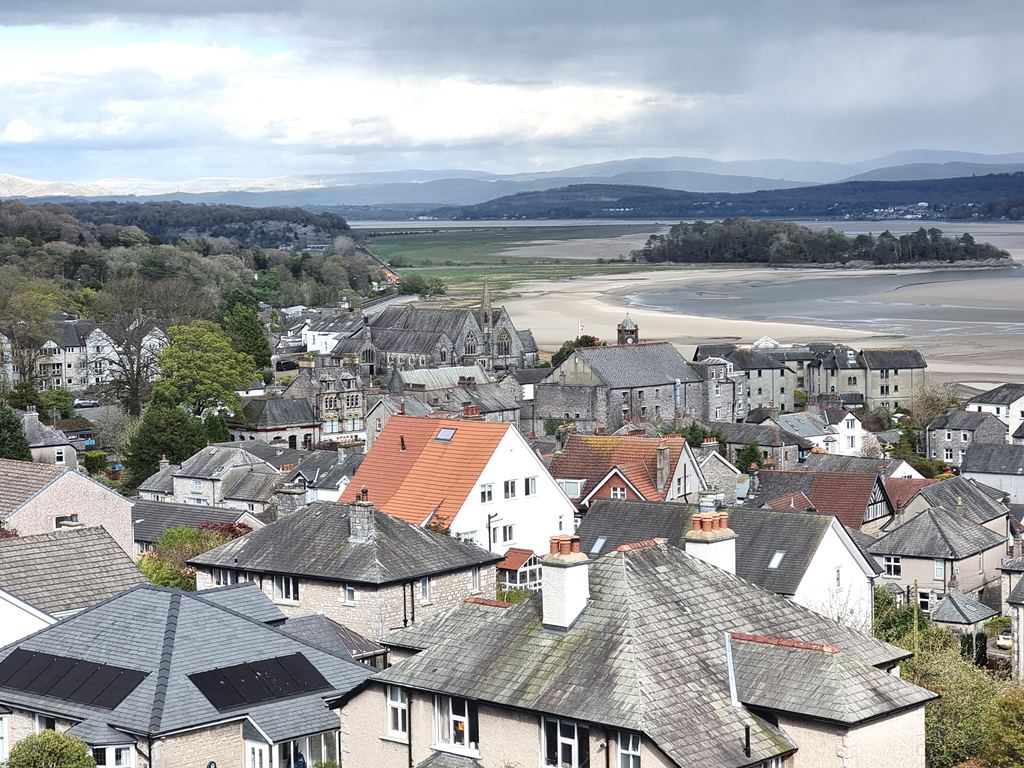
x,y
86,403
1005,639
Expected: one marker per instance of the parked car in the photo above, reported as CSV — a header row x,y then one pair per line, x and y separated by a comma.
x,y
1005,639
81,402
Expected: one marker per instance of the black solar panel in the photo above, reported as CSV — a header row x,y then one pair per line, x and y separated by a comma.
x,y
259,681
67,678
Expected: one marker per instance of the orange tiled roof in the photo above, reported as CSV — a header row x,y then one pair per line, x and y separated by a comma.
x,y
410,474
514,559
592,457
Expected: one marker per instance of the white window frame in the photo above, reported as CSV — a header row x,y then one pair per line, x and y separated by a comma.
x,y
223,577
939,570
426,587
948,454
561,740
286,590
510,489
892,566
40,721
926,604
474,579
566,485
486,493
618,492
197,486
629,749
529,486
507,533
446,722
58,456
349,594
397,713
111,755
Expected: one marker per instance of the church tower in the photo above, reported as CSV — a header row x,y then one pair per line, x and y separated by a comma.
x,y
628,332
486,312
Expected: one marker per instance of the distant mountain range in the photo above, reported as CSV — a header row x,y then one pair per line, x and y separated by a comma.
x,y
415,188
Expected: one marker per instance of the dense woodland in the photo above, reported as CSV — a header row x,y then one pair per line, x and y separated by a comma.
x,y
776,242
199,255
966,197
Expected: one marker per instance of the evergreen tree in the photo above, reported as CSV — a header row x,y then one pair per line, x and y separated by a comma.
x,y
13,444
215,427
749,454
163,431
58,401
247,335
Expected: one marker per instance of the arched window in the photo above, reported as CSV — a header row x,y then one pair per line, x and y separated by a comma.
x,y
470,343
782,390
368,355
444,355
504,344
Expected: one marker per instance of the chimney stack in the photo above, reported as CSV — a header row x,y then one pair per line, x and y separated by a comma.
x,y
565,576
710,538
662,467
360,518
164,463
471,413
709,446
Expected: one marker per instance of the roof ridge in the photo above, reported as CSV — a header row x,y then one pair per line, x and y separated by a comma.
x,y
164,671
784,642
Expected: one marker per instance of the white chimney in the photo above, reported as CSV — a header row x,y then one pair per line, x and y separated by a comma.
x,y
661,467
565,576
712,540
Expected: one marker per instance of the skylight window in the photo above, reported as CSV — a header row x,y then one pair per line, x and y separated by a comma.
x,y
776,561
598,545
445,434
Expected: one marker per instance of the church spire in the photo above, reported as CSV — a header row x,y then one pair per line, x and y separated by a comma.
x,y
485,308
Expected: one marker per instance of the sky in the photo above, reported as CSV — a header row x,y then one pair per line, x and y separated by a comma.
x,y
179,89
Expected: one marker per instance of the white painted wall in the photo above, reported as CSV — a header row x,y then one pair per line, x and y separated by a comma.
x,y
534,519
849,603
850,430
19,619
1011,484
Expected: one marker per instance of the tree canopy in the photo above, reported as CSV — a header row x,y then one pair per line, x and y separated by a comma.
x,y
13,444
584,340
166,564
50,749
164,431
247,335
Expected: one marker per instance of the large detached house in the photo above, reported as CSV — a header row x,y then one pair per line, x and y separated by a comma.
x,y
1005,402
646,656
157,678
365,569
950,434
481,482
40,498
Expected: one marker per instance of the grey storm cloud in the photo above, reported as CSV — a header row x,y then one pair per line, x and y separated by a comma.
x,y
810,79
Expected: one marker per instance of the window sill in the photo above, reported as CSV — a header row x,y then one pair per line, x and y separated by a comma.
x,y
278,601
454,750
395,739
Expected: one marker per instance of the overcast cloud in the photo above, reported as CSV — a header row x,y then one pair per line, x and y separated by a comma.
x,y
175,89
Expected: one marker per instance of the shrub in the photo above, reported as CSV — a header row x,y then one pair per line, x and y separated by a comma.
x,y
50,749
95,462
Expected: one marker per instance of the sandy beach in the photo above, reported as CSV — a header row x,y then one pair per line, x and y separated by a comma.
x,y
556,310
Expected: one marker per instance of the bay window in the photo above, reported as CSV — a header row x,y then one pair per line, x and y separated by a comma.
x,y
457,725
566,744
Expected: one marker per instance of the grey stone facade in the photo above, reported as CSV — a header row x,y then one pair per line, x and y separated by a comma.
x,y
951,434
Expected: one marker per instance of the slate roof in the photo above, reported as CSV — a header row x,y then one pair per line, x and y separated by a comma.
x,y
751,360
938,534
427,632
1017,594
530,375
246,598
326,469
407,341
994,459
38,434
315,542
844,495
443,378
489,398
760,533
328,634
956,608
967,497
151,518
804,424
162,481
762,434
412,475
1019,434
255,483
393,404
529,343
817,681
214,462
167,635
1004,394
895,359
638,365
966,421
450,322
839,358
831,462
592,457
647,654
272,411
863,542
66,570
21,480
440,759
276,456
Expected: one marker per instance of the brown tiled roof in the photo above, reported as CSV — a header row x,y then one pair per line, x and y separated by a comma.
x,y
903,489
842,494
411,474
21,480
514,559
592,457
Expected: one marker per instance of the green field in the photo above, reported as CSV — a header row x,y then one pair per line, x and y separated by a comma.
x,y
466,246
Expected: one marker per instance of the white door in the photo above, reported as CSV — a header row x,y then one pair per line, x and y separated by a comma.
x,y
257,755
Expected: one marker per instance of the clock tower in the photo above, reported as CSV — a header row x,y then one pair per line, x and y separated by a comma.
x,y
628,332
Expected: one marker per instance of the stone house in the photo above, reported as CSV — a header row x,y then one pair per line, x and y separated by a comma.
x,y
939,551
164,679
40,498
770,383
454,388
950,434
703,641
277,420
725,389
479,481
355,564
839,371
337,395
49,445
1005,402
893,377
603,388
49,576
783,449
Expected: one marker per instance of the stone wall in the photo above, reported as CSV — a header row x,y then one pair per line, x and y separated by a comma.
x,y
222,744
992,431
